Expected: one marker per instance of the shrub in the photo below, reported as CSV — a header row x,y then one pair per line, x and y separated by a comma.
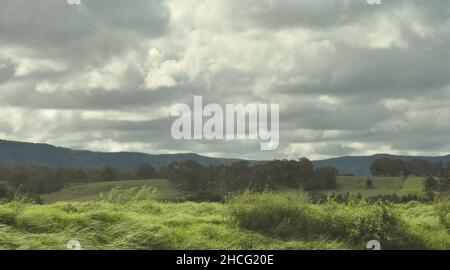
x,y
443,210
285,216
290,215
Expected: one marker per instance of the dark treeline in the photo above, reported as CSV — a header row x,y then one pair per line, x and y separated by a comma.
x,y
221,179
398,167
202,182
41,180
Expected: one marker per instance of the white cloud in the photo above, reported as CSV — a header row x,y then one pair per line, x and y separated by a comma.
x,y
349,78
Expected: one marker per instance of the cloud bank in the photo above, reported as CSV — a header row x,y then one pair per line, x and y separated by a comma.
x,y
350,78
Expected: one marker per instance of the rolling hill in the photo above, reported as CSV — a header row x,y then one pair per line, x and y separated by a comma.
x,y
359,165
22,153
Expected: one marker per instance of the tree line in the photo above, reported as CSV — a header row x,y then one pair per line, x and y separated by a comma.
x,y
222,179
189,176
42,180
398,167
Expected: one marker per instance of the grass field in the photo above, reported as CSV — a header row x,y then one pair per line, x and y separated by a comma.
x,y
267,221
91,191
382,185
412,185
351,184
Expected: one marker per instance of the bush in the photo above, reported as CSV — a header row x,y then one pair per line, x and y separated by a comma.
x,y
279,215
293,216
443,210
379,221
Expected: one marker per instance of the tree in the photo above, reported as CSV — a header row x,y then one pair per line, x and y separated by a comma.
x,y
443,184
306,170
430,184
145,171
6,191
188,175
324,178
108,173
369,183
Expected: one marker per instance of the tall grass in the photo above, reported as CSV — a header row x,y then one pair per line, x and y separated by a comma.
x,y
291,216
132,219
443,209
130,195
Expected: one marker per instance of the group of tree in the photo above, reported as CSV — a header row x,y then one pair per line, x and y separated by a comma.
x,y
203,181
398,167
222,179
42,180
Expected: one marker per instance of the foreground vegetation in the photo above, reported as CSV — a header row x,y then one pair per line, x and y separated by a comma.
x,y
135,220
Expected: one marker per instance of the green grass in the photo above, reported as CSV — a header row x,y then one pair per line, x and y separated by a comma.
x,y
290,216
92,191
130,215
412,185
351,184
136,225
382,185
265,221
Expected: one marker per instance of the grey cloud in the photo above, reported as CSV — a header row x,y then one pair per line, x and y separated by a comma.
x,y
332,85
54,24
6,70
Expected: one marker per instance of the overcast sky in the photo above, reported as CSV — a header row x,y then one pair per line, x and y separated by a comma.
x,y
350,78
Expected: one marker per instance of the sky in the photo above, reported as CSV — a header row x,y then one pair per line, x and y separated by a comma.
x,y
350,78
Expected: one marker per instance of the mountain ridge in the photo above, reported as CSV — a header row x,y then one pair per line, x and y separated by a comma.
x,y
14,153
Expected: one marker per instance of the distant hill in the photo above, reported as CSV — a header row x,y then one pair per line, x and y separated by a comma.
x,y
22,153
359,165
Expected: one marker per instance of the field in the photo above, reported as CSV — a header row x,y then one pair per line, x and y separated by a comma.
x,y
381,185
351,184
136,216
266,221
92,191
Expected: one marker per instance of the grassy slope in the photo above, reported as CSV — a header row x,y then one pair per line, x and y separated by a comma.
x,y
86,192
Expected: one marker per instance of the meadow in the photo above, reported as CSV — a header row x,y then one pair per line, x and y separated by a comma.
x,y
136,219
381,186
141,214
92,191
165,189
